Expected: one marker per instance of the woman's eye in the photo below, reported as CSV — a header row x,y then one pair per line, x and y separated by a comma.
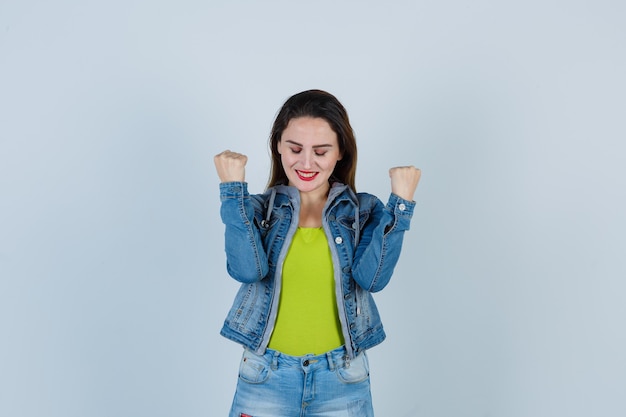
x,y
317,153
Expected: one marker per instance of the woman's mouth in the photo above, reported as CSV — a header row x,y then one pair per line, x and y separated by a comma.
x,y
306,175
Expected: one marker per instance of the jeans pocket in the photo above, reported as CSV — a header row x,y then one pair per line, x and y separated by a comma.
x,y
253,369
356,370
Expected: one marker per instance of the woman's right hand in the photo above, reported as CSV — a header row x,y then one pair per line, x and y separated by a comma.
x,y
230,166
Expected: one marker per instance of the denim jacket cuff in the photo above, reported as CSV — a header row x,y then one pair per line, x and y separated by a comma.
x,y
402,210
233,189
399,206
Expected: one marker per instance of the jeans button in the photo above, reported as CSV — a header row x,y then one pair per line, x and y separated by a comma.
x,y
305,363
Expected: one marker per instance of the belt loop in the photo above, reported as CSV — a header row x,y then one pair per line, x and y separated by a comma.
x,y
275,360
331,362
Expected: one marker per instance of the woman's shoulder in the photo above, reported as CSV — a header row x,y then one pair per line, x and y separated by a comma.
x,y
367,199
277,195
263,199
342,192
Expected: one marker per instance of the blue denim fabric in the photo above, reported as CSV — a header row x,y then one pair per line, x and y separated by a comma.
x,y
365,240
329,385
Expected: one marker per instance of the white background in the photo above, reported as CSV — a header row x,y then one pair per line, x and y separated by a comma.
x,y
508,300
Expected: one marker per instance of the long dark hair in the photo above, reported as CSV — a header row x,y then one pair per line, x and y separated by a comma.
x,y
316,103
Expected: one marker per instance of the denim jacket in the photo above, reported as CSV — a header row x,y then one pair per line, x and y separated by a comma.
x,y
365,239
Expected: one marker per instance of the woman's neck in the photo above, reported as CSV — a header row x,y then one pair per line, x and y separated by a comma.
x,y
311,208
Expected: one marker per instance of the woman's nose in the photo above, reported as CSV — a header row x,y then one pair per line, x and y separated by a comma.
x,y
307,159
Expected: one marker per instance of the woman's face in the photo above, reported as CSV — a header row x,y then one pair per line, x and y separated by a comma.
x,y
309,151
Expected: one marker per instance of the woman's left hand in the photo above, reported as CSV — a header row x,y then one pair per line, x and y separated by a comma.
x,y
404,181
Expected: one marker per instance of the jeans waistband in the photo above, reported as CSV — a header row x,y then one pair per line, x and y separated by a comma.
x,y
336,358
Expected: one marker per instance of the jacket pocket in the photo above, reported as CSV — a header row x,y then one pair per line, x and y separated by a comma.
x,y
245,313
349,223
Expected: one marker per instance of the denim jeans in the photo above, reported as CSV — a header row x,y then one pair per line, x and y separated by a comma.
x,y
279,385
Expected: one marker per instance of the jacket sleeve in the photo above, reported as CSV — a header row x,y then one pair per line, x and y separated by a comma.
x,y
380,242
246,259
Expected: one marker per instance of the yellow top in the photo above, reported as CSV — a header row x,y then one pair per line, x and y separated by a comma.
x,y
307,320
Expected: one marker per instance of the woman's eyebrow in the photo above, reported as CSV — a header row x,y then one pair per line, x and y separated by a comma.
x,y
325,145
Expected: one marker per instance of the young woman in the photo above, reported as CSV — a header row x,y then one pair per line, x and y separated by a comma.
x,y
309,252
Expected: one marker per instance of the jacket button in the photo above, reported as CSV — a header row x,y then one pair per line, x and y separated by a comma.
x,y
401,206
338,240
346,296
331,217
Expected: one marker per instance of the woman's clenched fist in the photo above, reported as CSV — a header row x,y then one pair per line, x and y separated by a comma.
x,y
230,166
404,181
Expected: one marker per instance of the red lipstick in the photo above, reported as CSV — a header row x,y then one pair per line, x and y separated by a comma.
x,y
307,175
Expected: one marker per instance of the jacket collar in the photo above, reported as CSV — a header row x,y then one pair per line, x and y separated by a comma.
x,y
338,192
